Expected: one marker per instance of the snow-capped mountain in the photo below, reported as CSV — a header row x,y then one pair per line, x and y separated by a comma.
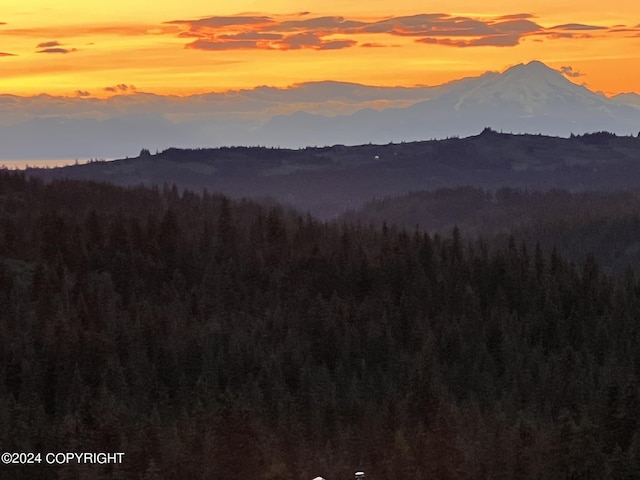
x,y
534,88
526,98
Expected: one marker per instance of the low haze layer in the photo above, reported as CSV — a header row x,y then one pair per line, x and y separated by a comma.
x,y
531,98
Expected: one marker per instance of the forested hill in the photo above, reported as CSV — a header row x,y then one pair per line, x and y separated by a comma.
x,y
206,338
329,180
578,224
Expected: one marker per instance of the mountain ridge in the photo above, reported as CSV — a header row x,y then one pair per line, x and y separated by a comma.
x,y
526,98
531,98
326,181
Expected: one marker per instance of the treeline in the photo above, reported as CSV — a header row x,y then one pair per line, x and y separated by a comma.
x,y
206,338
605,224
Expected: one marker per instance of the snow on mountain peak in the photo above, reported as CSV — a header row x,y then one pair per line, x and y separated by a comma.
x,y
532,87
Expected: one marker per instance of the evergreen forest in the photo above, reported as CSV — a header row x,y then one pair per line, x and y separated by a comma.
x,y
209,338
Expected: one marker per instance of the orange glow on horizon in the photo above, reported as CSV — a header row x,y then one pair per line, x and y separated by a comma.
x,y
74,48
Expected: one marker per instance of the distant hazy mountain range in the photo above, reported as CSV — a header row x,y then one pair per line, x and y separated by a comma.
x,y
530,98
327,181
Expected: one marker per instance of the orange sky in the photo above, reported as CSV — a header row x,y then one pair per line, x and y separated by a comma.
x,y
72,47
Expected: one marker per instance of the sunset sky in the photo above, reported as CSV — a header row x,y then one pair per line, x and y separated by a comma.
x,y
79,48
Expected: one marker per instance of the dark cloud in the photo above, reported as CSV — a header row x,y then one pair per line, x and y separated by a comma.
x,y
53,43
238,41
372,45
495,41
437,24
492,41
331,24
517,26
53,46
82,93
57,50
517,16
252,36
623,29
568,71
442,30
446,29
191,35
5,54
203,44
577,26
557,35
301,40
442,41
337,44
291,42
290,32
120,88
